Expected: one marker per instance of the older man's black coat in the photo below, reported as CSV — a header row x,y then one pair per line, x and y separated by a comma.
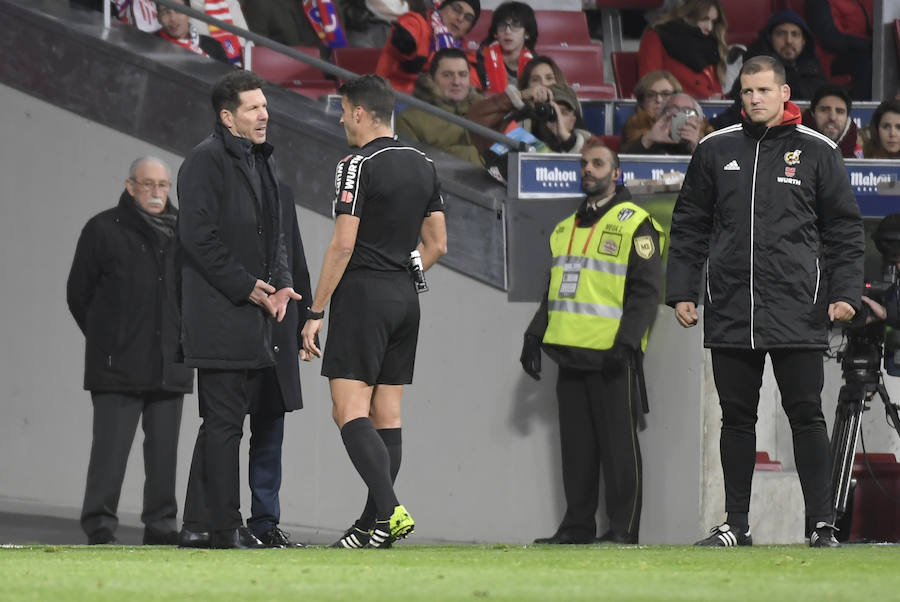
x,y
232,235
121,292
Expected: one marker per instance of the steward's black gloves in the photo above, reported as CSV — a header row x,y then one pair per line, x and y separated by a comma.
x,y
531,356
617,358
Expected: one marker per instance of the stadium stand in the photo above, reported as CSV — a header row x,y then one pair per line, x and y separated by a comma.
x,y
625,72
290,73
583,67
357,60
745,20
562,28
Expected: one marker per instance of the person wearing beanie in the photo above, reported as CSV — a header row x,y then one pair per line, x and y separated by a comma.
x,y
829,114
787,38
418,34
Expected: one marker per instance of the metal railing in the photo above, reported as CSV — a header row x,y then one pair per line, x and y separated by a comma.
x,y
336,71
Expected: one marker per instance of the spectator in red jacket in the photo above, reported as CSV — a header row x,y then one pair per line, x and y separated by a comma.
x,y
508,46
844,27
881,140
541,71
418,34
829,114
689,42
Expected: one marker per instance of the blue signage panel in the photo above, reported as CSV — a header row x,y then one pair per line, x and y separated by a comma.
x,y
876,183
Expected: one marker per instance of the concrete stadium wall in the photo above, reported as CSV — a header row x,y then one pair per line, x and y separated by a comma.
x,y
481,448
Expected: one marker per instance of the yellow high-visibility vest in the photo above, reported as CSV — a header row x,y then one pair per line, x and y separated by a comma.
x,y
587,276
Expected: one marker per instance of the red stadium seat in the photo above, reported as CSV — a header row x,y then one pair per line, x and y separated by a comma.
x,y
825,59
897,37
562,28
290,73
625,72
745,19
613,142
582,65
479,32
357,60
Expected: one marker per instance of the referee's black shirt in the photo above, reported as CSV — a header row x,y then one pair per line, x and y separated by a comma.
x,y
391,187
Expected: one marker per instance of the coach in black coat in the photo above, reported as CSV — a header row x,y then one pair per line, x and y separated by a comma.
x,y
121,292
235,280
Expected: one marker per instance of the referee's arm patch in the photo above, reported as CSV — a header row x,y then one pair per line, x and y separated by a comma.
x,y
644,246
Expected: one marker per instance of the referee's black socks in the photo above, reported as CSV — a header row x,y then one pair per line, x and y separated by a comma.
x,y
372,460
393,440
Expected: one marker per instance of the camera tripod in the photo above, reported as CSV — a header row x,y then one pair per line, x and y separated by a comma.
x,y
863,379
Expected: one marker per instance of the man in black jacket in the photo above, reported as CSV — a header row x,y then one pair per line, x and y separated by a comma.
x,y
121,292
768,203
604,288
235,279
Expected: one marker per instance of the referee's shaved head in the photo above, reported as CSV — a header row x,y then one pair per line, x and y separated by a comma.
x,y
373,93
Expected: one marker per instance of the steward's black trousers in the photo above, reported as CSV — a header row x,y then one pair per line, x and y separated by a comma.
x,y
799,374
598,426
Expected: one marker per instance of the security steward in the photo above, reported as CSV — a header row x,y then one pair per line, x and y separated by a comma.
x,y
604,287
387,196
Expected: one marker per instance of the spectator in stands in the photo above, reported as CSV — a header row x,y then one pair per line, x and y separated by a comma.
x,y
677,130
121,292
881,140
508,47
562,129
447,86
228,11
139,13
417,35
293,23
689,42
829,114
787,38
652,91
177,28
541,70
844,27
369,21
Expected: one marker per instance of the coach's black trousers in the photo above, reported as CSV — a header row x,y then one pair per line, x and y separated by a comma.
x,y
799,374
214,493
597,427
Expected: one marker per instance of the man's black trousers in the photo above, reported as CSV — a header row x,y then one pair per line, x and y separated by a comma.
x,y
597,426
214,490
799,374
115,421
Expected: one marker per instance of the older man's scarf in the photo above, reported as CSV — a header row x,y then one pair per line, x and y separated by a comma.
x,y
218,9
323,18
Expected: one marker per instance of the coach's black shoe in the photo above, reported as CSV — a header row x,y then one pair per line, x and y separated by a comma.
x,y
620,538
724,536
155,537
823,536
353,538
276,538
564,539
239,538
102,536
193,539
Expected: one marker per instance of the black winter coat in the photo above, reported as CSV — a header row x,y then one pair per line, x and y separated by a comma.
x,y
122,293
231,234
286,334
773,211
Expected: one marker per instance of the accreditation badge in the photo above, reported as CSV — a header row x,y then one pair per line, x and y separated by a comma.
x,y
570,276
644,246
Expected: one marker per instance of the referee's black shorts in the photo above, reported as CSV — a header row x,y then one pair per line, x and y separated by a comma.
x,y
373,328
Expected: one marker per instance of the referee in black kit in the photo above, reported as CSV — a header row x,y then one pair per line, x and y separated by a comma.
x,y
387,195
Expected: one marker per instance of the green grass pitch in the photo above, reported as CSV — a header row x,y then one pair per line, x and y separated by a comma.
x,y
413,572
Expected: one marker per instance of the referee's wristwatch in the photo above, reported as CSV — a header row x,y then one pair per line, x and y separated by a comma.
x,y
314,315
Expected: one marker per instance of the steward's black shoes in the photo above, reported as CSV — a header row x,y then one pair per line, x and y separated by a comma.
x,y
276,538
